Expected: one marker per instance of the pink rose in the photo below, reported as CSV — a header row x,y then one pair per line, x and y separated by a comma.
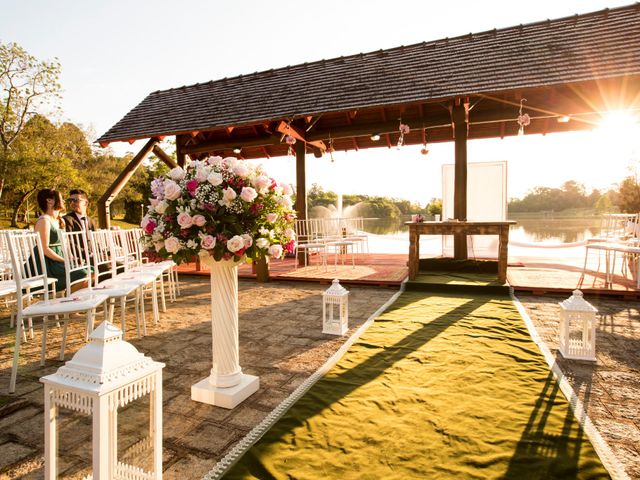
x,y
290,246
262,182
289,233
150,227
208,242
286,189
248,241
272,217
172,190
199,220
192,186
248,194
275,251
185,220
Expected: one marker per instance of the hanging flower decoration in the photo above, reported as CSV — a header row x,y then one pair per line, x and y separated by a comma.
x,y
330,149
424,150
404,130
227,208
291,141
523,118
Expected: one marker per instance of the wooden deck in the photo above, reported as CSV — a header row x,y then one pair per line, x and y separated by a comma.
x,y
549,272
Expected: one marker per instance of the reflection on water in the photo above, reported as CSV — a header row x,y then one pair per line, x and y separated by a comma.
x,y
552,230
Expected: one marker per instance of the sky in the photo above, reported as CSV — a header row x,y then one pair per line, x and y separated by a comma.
x,y
114,53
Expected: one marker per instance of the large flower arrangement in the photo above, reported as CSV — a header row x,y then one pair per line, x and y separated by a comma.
x,y
228,208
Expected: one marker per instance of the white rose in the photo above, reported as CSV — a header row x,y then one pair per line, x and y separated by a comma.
x,y
262,183
289,233
272,217
275,251
172,244
177,173
202,174
214,179
241,170
285,201
172,190
214,161
229,194
161,207
248,194
286,189
235,243
262,243
192,244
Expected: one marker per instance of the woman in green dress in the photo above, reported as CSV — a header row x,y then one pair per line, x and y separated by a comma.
x,y
50,227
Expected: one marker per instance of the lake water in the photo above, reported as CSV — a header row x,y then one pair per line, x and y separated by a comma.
x,y
389,236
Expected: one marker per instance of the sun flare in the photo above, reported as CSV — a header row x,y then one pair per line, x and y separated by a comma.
x,y
620,123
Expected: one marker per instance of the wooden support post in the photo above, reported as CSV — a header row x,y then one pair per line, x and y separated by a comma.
x,y
301,191
180,153
162,155
112,192
460,119
262,270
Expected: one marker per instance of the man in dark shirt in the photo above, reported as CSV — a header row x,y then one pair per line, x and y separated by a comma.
x,y
78,220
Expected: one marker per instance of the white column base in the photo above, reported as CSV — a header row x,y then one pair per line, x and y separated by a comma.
x,y
229,397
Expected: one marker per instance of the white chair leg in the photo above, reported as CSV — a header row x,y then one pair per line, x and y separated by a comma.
x,y
162,299
123,315
154,302
44,341
16,354
176,282
63,344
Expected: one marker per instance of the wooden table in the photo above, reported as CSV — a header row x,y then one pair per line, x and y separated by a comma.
x,y
451,228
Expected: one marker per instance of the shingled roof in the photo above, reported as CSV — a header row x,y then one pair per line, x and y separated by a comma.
x,y
580,48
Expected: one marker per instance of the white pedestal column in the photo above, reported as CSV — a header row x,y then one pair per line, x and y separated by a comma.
x,y
226,386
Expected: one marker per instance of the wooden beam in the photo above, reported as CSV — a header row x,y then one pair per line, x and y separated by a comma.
x,y
213,145
162,155
287,129
180,152
459,114
112,192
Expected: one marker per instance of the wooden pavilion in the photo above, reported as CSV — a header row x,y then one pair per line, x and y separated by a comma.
x,y
569,70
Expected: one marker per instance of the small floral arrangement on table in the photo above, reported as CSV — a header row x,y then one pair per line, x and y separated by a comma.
x,y
226,207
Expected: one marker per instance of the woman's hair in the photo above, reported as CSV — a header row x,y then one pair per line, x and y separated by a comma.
x,y
46,194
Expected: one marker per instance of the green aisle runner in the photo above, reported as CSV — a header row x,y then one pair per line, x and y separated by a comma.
x,y
438,387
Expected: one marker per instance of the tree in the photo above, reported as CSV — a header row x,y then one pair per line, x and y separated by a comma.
x,y
44,158
435,207
26,85
628,198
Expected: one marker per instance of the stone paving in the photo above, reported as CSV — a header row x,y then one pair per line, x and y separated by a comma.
x,y
610,389
280,341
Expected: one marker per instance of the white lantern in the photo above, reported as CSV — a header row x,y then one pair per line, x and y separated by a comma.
x,y
335,309
577,328
105,374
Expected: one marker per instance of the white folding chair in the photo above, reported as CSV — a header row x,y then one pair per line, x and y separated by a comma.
x,y
108,252
168,267
77,254
27,260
